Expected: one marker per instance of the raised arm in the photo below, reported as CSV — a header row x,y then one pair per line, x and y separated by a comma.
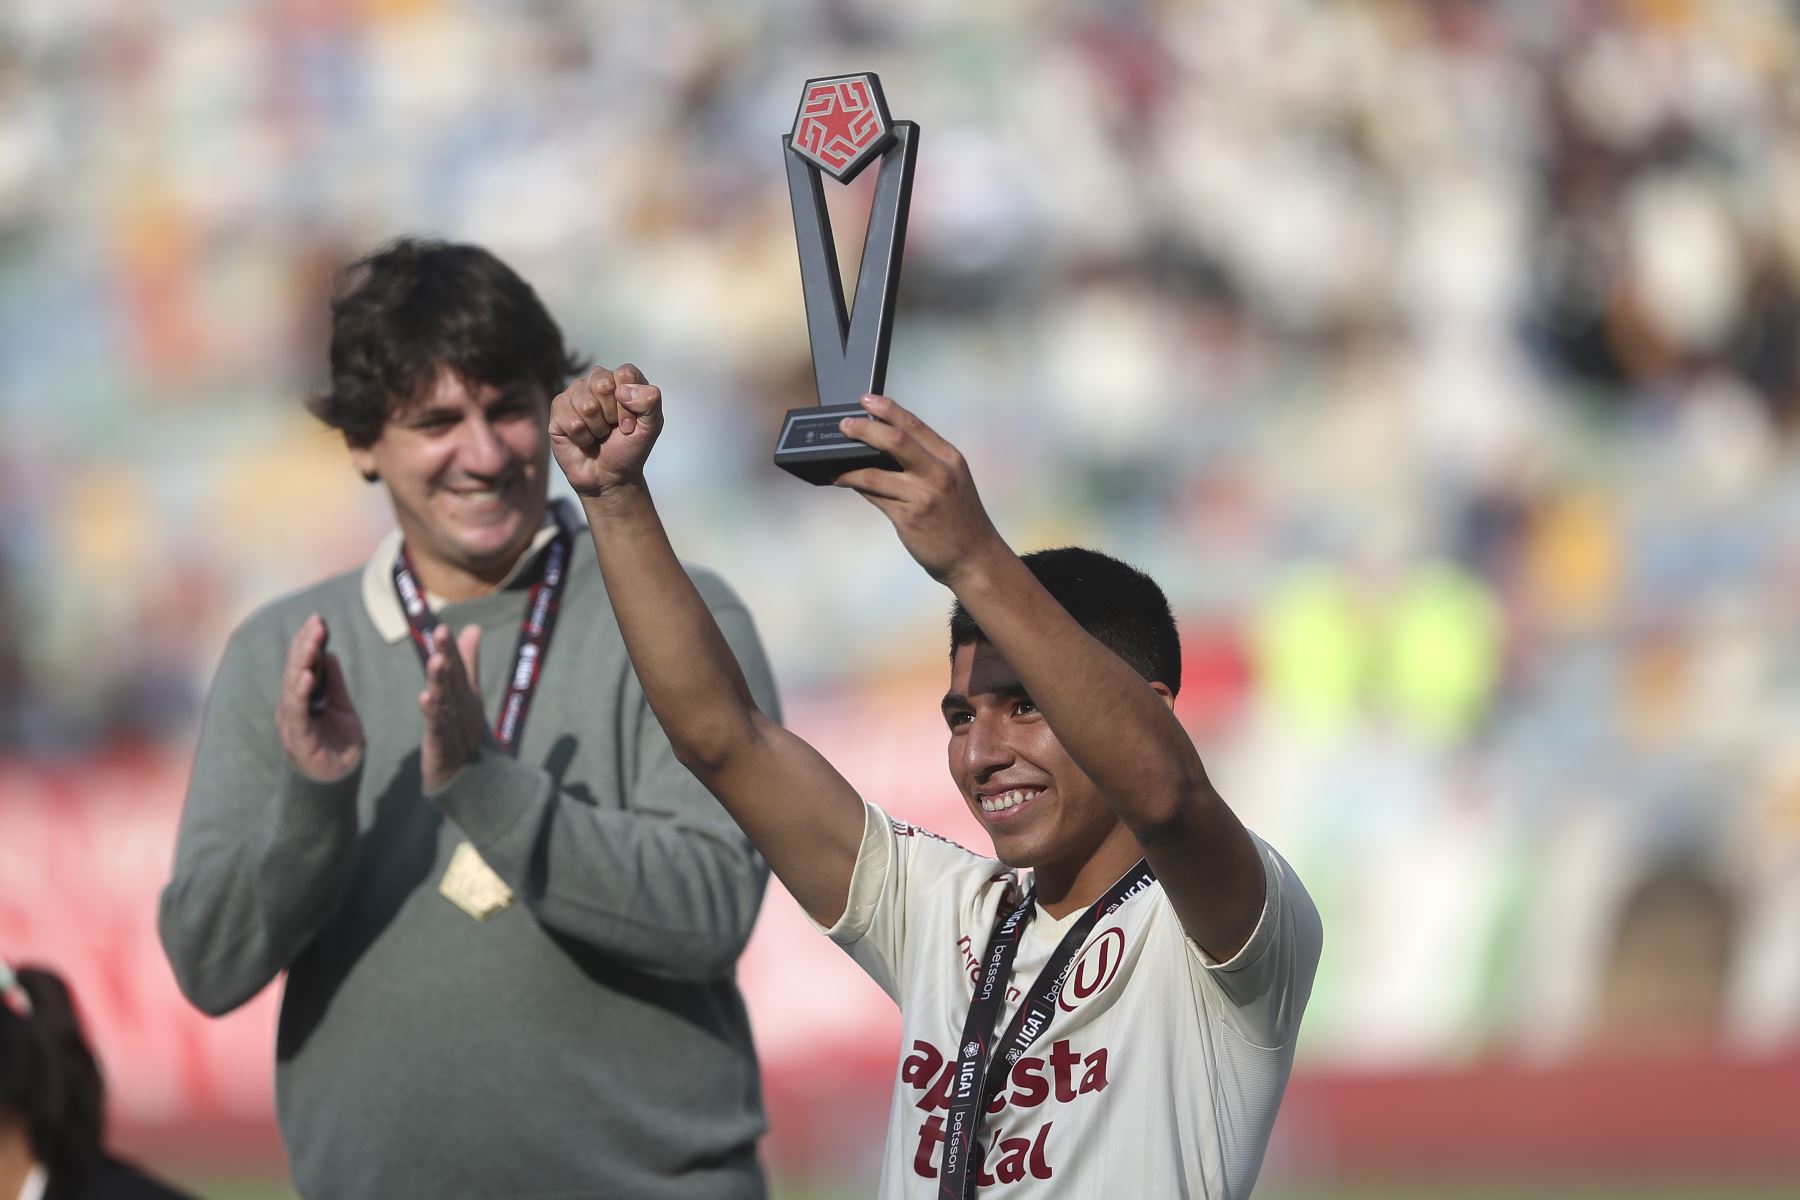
x,y
1118,728
798,811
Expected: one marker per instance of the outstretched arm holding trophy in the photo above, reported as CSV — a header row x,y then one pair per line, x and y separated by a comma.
x,y
1064,746
1152,968
798,810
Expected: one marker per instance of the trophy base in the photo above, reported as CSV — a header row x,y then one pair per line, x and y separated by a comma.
x,y
812,447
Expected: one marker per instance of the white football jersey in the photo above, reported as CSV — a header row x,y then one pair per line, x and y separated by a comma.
x,y
1160,1071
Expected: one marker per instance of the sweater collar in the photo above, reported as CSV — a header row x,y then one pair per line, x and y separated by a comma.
x,y
378,578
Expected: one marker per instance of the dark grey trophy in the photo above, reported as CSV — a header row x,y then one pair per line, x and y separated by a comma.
x,y
842,126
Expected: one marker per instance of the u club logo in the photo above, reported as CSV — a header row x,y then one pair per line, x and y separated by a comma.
x,y
1096,967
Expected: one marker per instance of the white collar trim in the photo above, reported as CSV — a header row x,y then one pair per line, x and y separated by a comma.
x,y
378,579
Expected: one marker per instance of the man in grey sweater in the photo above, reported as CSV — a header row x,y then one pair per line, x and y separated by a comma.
x,y
508,916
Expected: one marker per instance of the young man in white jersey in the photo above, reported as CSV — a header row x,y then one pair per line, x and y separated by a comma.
x,y
1124,1023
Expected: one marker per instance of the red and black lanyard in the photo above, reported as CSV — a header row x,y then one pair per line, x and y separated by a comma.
x,y
541,607
976,1086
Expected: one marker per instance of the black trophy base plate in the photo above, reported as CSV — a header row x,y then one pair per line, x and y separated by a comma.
x,y
812,447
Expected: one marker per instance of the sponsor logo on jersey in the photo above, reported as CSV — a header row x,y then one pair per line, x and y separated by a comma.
x,y
1011,1149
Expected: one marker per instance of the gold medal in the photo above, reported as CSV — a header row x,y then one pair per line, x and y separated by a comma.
x,y
471,885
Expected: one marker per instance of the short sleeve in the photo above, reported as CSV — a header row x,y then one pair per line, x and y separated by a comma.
x,y
906,878
867,879
1266,984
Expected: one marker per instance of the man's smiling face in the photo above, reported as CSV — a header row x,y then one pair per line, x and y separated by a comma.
x,y
1039,807
465,466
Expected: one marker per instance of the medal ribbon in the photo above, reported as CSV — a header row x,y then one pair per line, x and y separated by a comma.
x,y
976,1086
541,607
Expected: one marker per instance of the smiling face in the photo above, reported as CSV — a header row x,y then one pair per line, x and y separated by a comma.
x,y
466,468
1040,808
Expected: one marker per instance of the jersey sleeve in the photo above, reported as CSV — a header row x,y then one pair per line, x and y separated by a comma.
x,y
906,880
1266,984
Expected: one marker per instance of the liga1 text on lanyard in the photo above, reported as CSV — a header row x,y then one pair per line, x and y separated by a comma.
x,y
469,883
976,1084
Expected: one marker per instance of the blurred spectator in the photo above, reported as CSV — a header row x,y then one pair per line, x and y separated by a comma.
x,y
53,1103
1663,983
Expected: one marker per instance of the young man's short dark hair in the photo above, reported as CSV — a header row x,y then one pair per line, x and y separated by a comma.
x,y
1118,605
420,304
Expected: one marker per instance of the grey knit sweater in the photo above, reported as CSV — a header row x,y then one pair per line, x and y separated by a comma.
x,y
588,1041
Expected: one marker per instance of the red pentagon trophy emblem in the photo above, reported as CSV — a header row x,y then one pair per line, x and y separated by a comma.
x,y
842,124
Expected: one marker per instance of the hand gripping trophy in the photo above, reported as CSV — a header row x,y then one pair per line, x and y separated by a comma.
x,y
841,127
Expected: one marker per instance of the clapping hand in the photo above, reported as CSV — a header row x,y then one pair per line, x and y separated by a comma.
x,y
451,702
326,745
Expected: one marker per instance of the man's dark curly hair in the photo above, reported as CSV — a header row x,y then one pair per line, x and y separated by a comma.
x,y
1118,605
418,305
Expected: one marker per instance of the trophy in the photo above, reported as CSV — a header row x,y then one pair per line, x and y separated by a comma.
x,y
843,125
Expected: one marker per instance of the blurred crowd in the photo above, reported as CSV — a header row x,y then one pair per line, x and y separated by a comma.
x,y
1442,359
